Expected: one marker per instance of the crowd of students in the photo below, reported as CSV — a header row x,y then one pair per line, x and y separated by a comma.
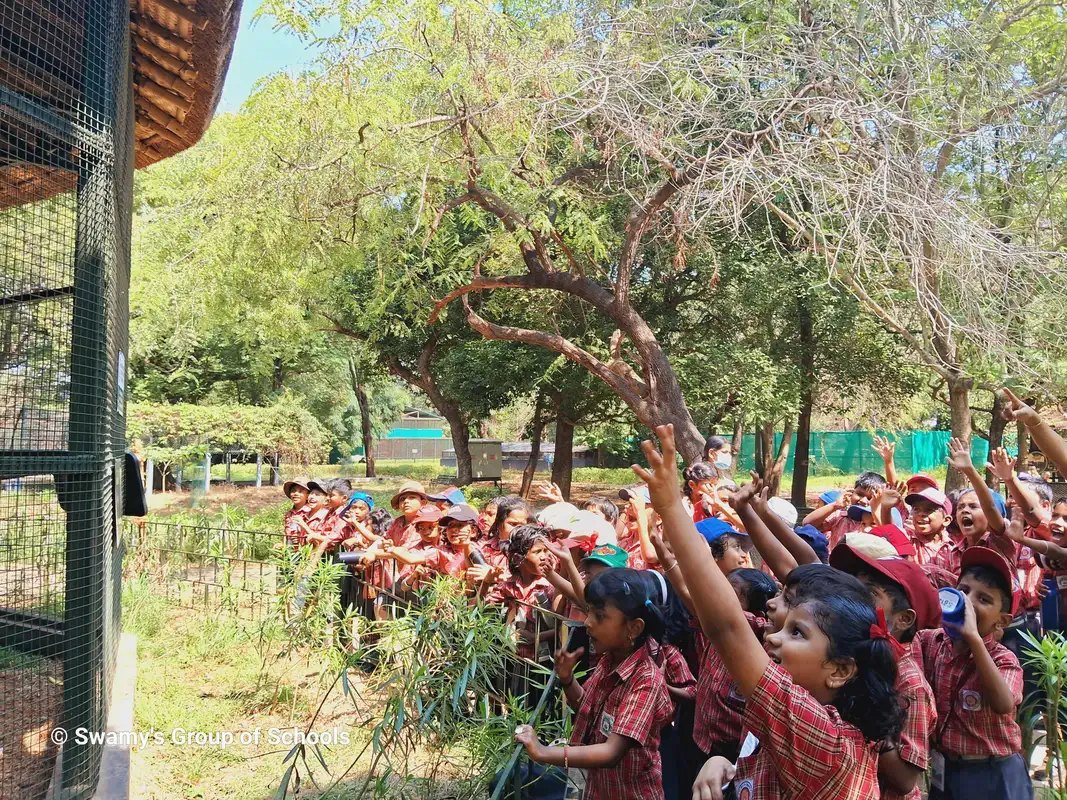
x,y
731,649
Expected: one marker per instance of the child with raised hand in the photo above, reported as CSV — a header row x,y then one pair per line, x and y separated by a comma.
x,y
927,523
819,695
909,602
833,519
1051,444
635,529
978,685
624,704
977,516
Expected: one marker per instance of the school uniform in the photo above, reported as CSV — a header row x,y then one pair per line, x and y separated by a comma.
x,y
433,565
838,525
402,533
720,706
914,743
979,748
631,700
295,535
495,556
524,599
631,543
678,773
925,550
806,751
950,557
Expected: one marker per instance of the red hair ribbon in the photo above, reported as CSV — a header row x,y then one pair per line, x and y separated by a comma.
x,y
879,630
589,545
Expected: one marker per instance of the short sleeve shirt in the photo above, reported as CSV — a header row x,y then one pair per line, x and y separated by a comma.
x,y
805,749
965,724
919,724
294,532
402,533
630,699
434,563
838,525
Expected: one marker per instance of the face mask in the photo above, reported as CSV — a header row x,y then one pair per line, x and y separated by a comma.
x,y
723,460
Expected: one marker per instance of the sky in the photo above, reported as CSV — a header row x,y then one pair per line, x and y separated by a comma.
x,y
259,51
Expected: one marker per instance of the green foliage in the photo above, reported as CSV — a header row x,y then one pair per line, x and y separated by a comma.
x,y
1048,658
181,434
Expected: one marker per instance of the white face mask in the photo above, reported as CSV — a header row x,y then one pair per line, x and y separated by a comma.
x,y
723,460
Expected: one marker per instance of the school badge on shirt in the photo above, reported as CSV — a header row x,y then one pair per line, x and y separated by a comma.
x,y
607,724
972,700
744,789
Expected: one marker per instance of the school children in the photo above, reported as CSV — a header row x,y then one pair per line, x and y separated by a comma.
x,y
527,588
635,526
910,604
977,683
929,513
410,497
511,513
460,525
624,705
426,558
846,513
821,693
602,507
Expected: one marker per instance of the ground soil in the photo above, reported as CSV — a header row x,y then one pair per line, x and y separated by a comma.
x,y
32,706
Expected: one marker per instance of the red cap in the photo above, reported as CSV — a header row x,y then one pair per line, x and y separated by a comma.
x,y
922,596
988,557
934,495
896,537
429,513
917,481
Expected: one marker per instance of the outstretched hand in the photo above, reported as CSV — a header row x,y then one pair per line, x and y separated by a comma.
x,y
1018,411
661,475
565,662
550,492
885,448
1016,529
747,493
1001,464
959,455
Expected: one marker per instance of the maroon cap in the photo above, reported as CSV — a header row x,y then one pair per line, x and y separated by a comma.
x,y
896,537
429,513
935,496
988,557
922,596
917,481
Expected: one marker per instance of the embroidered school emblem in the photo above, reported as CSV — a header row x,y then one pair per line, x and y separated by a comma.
x,y
607,724
972,700
735,693
744,789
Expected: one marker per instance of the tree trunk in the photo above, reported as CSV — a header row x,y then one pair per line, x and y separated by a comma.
x,y
997,425
801,459
737,441
563,460
757,456
536,432
366,430
461,437
959,389
277,376
773,478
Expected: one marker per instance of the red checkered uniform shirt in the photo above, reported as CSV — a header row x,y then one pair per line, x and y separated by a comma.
x,y
673,665
402,533
523,600
295,534
495,556
632,701
433,565
914,744
838,525
965,727
806,749
632,545
720,706
950,556
925,550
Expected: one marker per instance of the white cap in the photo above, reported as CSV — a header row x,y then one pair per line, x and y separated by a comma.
x,y
590,524
559,516
784,510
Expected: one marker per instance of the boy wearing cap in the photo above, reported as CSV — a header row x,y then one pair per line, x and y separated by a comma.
x,y
410,497
978,686
930,510
297,492
909,602
426,557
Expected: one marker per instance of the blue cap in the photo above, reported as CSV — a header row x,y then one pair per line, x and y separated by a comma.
x,y
714,528
998,501
817,539
830,496
366,498
855,513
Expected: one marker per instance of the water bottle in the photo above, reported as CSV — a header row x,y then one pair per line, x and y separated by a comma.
x,y
953,609
351,556
476,558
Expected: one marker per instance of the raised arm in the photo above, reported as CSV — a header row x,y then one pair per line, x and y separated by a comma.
x,y
566,577
1048,441
800,550
672,572
1003,466
818,517
959,458
717,607
1017,533
778,558
887,449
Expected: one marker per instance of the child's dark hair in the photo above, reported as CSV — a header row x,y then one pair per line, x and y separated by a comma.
x,y
987,576
379,520
870,482
700,471
756,586
627,590
341,485
897,596
507,504
604,506
676,627
718,547
843,610
521,542
1040,487
713,443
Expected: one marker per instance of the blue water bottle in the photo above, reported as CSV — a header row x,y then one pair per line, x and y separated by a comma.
x,y
953,609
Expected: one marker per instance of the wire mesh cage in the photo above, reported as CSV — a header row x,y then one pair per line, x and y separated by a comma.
x,y
66,161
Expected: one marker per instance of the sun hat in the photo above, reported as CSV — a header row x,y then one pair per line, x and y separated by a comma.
x,y
896,537
428,513
831,496
460,513
288,485
935,496
873,546
856,512
922,479
589,531
407,487
558,516
817,539
714,528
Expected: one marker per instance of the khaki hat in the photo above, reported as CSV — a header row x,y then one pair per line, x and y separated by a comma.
x,y
408,487
300,482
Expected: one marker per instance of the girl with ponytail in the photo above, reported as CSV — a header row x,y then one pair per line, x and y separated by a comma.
x,y
819,689
624,704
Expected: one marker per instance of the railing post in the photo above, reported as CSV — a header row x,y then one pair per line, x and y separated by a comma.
x,y
259,470
149,477
207,473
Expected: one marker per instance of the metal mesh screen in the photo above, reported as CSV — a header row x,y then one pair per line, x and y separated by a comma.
x,y
65,183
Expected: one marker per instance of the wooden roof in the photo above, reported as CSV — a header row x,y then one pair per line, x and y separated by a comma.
x,y
179,52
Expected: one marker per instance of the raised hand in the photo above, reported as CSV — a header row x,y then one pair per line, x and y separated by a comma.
x,y
1018,411
885,448
1002,464
661,476
558,550
636,502
747,493
565,662
550,492
959,455
761,502
1016,529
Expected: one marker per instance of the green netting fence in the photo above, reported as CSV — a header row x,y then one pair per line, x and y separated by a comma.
x,y
850,452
